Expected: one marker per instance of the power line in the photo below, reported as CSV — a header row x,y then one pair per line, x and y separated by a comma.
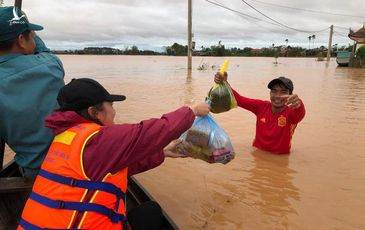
x,y
240,13
341,27
247,17
339,34
259,19
308,10
304,31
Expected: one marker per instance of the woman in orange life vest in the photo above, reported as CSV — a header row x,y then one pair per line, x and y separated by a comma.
x,y
83,180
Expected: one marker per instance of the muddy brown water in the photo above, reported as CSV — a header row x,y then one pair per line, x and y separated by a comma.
x,y
320,185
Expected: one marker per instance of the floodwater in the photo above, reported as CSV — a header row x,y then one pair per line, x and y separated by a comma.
x,y
320,185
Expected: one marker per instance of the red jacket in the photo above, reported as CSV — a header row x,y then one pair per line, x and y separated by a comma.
x,y
136,146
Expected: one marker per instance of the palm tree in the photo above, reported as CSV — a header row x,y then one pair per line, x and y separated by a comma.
x,y
313,37
286,47
310,37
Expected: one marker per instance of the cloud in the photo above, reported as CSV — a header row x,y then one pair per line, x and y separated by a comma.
x,y
153,24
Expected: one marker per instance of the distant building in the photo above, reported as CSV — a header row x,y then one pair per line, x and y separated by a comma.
x,y
255,52
359,38
283,51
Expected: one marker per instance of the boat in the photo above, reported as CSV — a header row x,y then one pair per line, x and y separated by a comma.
x,y
343,58
15,189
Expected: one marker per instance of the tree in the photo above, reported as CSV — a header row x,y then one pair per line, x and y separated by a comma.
x,y
296,52
349,47
276,55
218,50
177,50
247,51
310,37
313,37
360,53
133,51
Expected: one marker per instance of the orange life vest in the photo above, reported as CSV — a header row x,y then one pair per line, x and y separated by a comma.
x,y
59,192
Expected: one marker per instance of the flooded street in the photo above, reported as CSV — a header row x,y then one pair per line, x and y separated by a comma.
x,y
320,185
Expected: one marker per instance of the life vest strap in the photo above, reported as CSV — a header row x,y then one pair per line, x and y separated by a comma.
x,y
28,226
79,206
92,185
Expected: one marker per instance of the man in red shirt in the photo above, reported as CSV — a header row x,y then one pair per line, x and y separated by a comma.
x,y
276,119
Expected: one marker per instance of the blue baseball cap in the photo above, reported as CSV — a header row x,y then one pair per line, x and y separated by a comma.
x,y
13,22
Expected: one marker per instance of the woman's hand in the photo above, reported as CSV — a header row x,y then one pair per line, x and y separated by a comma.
x,y
170,149
201,109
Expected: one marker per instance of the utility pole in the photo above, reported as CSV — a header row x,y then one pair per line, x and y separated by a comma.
x,y
189,33
18,3
330,44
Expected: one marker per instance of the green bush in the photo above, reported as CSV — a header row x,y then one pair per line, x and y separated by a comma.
x,y
320,56
361,52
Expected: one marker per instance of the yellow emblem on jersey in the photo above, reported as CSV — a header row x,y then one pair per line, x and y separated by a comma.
x,y
281,121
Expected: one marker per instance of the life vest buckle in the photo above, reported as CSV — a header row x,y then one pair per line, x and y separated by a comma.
x,y
61,204
111,213
115,217
73,182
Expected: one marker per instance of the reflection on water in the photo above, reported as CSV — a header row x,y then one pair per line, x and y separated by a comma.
x,y
258,196
270,185
188,92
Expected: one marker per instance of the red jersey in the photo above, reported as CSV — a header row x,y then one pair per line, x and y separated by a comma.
x,y
273,131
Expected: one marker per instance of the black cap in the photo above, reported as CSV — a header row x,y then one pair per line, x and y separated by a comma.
x,y
283,81
82,93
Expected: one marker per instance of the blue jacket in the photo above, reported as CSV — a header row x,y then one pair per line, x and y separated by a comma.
x,y
29,85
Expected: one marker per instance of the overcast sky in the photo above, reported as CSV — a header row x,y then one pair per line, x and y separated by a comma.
x,y
154,24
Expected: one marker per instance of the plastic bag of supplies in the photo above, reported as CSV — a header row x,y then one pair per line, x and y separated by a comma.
x,y
207,141
221,95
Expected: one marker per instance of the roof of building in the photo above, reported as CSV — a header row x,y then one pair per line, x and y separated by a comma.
x,y
358,36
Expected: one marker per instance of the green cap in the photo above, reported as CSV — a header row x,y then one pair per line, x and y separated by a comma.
x,y
13,22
